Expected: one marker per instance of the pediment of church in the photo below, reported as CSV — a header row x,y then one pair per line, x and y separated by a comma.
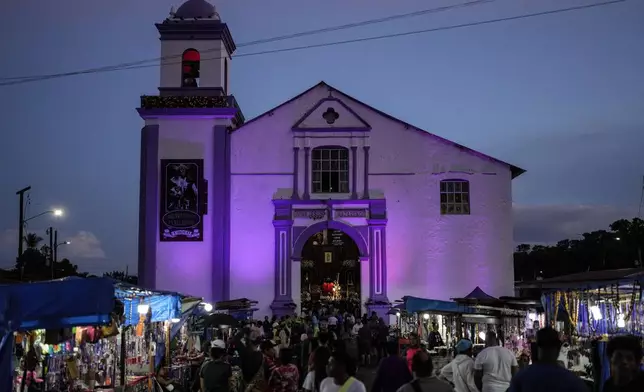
x,y
331,114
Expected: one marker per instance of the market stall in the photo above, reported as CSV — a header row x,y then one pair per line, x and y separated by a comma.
x,y
588,308
54,306
514,320
149,317
435,322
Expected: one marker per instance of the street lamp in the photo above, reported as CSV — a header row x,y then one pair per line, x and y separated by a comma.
x,y
53,240
56,249
56,212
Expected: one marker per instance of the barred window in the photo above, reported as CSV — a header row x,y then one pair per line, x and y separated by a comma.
x,y
455,197
330,169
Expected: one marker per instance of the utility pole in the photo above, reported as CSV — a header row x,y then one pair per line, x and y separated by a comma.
x,y
21,224
55,247
50,231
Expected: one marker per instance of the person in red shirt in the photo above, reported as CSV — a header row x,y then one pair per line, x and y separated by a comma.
x,y
414,347
285,376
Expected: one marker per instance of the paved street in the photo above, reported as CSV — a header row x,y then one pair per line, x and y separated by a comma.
x,y
367,375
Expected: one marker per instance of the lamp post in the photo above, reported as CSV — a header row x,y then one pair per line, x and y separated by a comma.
x,y
55,252
21,228
21,216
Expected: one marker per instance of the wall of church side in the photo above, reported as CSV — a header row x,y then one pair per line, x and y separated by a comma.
x,y
431,255
211,70
261,166
186,267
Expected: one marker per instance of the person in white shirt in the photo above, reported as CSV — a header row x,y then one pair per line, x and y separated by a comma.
x,y
356,327
494,366
342,370
333,321
460,371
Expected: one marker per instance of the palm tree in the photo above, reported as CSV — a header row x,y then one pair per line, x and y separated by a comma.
x,y
32,240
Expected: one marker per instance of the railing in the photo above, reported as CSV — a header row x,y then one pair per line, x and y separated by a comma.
x,y
192,102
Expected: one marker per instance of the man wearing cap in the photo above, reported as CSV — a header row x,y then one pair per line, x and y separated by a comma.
x,y
460,372
215,374
546,374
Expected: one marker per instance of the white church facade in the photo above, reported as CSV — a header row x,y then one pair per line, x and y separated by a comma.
x,y
320,189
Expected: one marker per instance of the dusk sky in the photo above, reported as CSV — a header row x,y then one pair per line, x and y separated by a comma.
x,y
561,96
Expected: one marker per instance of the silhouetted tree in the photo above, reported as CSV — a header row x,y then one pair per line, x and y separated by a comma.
x,y
619,247
122,276
34,261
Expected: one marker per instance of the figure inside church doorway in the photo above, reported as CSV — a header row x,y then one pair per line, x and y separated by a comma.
x,y
330,274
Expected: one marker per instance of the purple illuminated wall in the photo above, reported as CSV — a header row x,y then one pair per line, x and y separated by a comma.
x,y
424,253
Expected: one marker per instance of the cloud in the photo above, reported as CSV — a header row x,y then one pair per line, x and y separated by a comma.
x,y
550,223
83,244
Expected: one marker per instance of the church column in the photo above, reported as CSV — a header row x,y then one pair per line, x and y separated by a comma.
x,y
365,192
283,301
307,183
354,172
219,212
378,300
296,173
148,206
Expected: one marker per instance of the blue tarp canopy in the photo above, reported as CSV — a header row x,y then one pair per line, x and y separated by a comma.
x,y
56,304
164,306
415,304
50,305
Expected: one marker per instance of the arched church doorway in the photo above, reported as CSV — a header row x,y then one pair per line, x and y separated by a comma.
x,y
330,272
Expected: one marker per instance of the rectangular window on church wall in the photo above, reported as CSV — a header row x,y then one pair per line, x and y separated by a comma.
x,y
455,197
330,170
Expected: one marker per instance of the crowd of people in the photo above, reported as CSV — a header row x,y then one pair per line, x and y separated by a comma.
x,y
322,353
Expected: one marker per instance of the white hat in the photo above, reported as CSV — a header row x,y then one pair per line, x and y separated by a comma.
x,y
219,344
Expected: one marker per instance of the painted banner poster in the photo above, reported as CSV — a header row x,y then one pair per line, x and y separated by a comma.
x,y
180,217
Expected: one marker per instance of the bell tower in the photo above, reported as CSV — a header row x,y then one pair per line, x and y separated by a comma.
x,y
184,206
196,48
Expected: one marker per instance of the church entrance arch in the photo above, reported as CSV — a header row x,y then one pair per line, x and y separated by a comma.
x,y
330,270
361,224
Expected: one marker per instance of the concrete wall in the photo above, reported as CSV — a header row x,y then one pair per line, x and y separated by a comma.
x,y
186,267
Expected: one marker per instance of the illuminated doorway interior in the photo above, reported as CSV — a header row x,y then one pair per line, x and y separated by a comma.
x,y
330,271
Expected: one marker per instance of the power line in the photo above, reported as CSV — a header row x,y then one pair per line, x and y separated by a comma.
x,y
272,39
334,43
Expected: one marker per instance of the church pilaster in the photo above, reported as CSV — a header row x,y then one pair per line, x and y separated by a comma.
x,y
354,172
283,300
219,214
148,207
378,253
378,301
365,192
296,173
307,182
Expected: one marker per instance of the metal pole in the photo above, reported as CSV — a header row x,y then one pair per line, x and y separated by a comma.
x,y
51,250
21,222
123,355
55,246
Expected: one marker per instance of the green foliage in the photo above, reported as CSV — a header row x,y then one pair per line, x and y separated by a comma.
x,y
618,247
121,276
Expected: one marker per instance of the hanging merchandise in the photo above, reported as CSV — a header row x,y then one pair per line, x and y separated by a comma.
x,y
110,330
